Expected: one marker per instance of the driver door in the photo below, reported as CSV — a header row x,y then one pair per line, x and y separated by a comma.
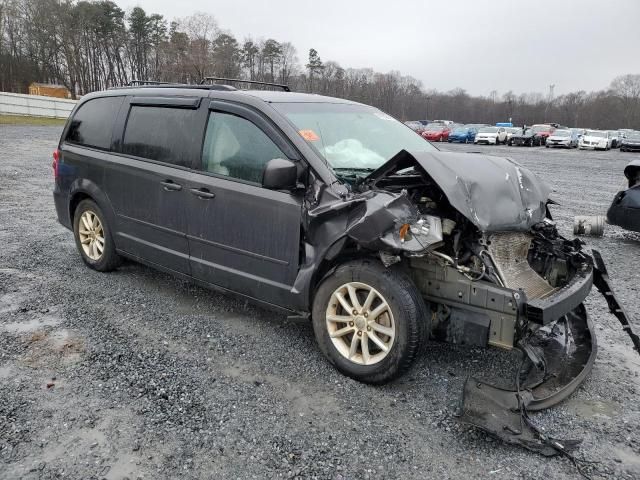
x,y
243,237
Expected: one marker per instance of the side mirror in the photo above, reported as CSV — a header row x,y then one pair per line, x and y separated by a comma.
x,y
280,174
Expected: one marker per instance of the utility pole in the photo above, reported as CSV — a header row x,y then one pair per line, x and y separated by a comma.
x,y
549,100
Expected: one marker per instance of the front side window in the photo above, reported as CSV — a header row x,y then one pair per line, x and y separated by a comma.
x,y
161,133
237,148
92,124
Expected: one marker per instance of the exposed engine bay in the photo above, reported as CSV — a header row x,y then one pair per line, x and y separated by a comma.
x,y
476,236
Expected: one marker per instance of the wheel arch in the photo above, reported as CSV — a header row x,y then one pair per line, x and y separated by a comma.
x,y
340,251
83,189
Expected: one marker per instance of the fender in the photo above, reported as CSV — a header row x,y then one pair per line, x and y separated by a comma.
x,y
82,187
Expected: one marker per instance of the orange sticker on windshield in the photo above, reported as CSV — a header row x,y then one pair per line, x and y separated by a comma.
x,y
309,135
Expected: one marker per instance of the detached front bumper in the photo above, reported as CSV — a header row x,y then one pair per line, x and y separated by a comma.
x,y
556,359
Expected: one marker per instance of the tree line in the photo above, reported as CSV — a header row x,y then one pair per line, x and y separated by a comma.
x,y
93,45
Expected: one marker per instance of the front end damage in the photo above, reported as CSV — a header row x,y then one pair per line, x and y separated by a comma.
x,y
475,234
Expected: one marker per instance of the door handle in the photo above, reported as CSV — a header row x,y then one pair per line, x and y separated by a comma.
x,y
202,193
170,186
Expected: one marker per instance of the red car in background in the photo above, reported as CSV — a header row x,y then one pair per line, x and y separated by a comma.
x,y
542,131
436,132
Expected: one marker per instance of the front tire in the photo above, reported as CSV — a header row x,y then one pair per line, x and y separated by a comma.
x,y
93,237
370,321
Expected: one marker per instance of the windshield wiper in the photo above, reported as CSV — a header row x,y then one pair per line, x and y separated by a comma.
x,y
354,169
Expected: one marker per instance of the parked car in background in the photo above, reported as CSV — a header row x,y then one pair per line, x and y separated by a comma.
x,y
436,132
443,122
563,138
526,138
463,134
616,137
491,135
542,132
630,142
595,140
578,131
415,125
511,131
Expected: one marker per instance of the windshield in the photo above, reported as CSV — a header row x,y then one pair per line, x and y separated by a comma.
x,y
562,133
541,128
461,130
355,137
488,130
435,128
633,135
595,133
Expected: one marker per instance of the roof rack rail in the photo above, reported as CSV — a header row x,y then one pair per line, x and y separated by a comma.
x,y
157,84
251,82
134,82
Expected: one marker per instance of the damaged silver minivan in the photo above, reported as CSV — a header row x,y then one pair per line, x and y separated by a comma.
x,y
333,210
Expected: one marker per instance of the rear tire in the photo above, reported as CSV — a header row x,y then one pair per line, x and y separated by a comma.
x,y
93,237
404,319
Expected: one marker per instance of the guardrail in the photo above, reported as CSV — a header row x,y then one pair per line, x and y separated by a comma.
x,y
35,105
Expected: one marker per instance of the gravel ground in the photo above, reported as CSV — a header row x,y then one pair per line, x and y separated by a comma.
x,y
134,374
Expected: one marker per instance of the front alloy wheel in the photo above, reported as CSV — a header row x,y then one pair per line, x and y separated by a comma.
x,y
360,323
370,321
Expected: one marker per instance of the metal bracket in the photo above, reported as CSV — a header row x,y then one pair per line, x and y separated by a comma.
x,y
603,284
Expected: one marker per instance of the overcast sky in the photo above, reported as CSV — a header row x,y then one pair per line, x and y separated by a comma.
x,y
477,45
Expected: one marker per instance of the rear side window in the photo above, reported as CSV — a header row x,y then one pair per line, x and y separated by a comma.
x,y
237,148
161,133
92,124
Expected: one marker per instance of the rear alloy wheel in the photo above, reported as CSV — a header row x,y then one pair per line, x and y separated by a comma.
x,y
93,237
369,321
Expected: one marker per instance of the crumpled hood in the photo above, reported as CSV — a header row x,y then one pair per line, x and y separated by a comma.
x,y
494,193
